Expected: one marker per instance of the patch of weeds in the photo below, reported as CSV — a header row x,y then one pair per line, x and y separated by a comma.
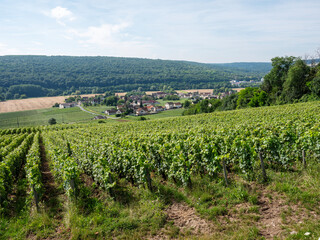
x,y
253,199
313,227
169,194
254,209
214,211
173,231
110,217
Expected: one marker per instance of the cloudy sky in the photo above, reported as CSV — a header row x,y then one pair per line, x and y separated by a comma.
x,y
209,31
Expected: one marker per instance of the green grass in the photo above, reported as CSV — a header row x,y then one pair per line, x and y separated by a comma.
x,y
99,109
163,114
137,213
41,117
163,102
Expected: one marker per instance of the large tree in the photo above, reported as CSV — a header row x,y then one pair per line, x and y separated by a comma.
x,y
295,85
274,80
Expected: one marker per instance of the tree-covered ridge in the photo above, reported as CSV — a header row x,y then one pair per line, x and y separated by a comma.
x,y
258,67
34,76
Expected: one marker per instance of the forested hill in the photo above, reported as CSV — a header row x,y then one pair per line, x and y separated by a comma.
x,y
33,76
258,67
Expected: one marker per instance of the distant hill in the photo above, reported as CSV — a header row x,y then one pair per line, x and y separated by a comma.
x,y
35,76
258,67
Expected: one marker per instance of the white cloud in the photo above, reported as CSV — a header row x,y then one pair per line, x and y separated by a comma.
x,y
112,39
102,35
61,14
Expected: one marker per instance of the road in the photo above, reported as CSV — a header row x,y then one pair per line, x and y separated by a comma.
x,y
94,113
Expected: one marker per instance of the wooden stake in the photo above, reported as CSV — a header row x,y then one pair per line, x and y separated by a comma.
x,y
73,187
35,196
148,179
225,172
304,159
264,175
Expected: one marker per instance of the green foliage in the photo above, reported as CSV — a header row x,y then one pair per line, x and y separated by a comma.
x,y
187,104
204,106
37,76
295,86
52,121
32,168
274,80
111,101
290,79
171,97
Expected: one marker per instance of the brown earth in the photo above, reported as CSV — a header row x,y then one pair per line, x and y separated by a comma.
x,y
185,219
32,103
273,207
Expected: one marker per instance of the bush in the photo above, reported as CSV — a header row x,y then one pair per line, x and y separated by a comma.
x,y
52,121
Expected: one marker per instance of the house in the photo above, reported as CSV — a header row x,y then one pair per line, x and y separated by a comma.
x,y
151,109
159,108
141,111
149,102
121,107
158,95
169,105
136,103
111,111
177,105
205,95
95,101
67,105
119,111
99,117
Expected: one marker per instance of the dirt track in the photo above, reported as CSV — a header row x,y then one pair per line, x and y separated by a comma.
x,y
31,103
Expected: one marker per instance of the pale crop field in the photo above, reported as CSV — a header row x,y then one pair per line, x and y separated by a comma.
x,y
32,103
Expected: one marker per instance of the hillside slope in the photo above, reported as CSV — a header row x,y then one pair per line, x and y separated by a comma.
x,y
37,76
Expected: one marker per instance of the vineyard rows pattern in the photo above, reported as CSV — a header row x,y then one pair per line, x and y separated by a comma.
x,y
173,149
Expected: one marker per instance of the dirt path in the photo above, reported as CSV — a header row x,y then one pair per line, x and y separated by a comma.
x,y
53,198
271,207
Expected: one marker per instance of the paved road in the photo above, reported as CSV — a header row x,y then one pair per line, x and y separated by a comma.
x,y
86,110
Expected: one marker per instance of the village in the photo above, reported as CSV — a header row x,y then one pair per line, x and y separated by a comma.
x,y
140,104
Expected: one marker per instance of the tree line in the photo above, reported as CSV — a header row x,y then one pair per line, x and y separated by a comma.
x,y
290,80
37,76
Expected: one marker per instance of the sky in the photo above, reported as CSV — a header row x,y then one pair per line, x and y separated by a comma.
x,y
208,31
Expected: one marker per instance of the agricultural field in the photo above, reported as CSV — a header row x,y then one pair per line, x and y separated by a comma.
x,y
244,174
41,117
33,103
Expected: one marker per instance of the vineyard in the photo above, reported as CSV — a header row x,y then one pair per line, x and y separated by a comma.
x,y
121,180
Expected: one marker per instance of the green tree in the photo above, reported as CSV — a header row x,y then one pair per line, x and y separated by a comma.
x,y
245,96
274,80
52,121
295,85
187,104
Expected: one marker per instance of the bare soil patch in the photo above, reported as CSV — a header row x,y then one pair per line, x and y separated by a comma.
x,y
186,219
276,213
